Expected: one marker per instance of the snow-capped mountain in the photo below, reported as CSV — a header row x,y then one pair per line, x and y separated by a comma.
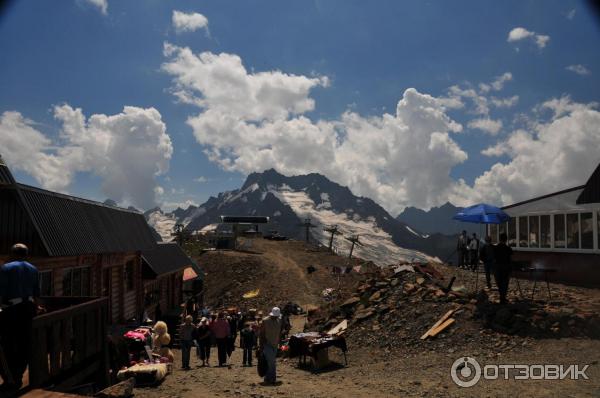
x,y
163,224
289,200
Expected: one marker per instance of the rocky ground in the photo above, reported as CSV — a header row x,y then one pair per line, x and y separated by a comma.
x,y
375,373
387,313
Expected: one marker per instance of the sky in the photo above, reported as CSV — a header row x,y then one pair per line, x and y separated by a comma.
x,y
410,103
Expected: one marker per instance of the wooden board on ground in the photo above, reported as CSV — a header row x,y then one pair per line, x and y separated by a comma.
x,y
438,323
339,329
443,326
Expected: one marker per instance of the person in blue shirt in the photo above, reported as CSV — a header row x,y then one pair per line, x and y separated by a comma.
x,y
19,288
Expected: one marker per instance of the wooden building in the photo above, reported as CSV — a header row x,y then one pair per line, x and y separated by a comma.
x,y
162,272
559,231
81,247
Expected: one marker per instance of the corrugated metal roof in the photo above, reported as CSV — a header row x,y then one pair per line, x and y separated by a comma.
x,y
73,226
591,192
166,258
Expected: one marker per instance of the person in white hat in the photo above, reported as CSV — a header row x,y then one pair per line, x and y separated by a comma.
x,y
270,333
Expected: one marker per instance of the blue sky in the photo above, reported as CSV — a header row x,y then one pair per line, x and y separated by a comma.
x,y
366,56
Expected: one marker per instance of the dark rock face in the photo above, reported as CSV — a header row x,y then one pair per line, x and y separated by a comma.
x,y
436,220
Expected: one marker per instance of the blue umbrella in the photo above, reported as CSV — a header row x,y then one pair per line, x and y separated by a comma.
x,y
482,214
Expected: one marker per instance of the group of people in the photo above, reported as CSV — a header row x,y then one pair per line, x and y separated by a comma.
x,y
496,259
257,333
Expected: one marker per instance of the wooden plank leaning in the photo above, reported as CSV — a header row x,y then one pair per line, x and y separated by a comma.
x,y
438,323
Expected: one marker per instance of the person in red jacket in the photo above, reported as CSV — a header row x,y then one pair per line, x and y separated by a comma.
x,y
221,331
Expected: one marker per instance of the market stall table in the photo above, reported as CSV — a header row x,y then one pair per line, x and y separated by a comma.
x,y
316,346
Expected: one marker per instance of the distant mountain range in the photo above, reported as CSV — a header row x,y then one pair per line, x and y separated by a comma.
x,y
436,220
289,200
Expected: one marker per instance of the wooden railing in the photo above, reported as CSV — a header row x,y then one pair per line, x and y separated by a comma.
x,y
69,343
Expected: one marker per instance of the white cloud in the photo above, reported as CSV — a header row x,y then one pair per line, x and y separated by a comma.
x,y
251,121
571,14
398,159
504,102
127,151
201,179
487,125
188,22
497,84
557,154
519,33
102,5
579,69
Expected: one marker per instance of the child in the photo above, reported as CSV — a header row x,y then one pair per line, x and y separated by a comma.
x,y
187,341
247,343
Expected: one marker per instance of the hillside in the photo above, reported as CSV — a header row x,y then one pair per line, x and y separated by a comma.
x,y
278,270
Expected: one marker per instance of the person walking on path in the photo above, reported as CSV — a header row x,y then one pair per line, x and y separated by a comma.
x,y
203,337
220,329
247,343
270,334
487,257
502,255
186,334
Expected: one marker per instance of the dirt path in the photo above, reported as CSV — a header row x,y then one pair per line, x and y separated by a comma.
x,y
375,374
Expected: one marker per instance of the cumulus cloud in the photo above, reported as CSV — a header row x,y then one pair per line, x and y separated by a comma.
x,y
556,154
571,14
497,84
519,33
201,179
486,125
479,99
101,5
251,121
188,22
579,69
127,151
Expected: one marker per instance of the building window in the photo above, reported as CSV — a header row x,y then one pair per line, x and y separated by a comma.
x,y
129,276
534,231
545,238
523,231
573,231
587,230
512,232
76,282
45,283
559,231
494,233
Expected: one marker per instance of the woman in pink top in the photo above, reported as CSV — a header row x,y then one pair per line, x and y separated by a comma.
x,y
220,329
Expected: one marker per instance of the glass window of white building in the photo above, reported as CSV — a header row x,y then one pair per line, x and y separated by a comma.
x,y
573,231
512,232
559,231
545,237
523,232
587,230
534,231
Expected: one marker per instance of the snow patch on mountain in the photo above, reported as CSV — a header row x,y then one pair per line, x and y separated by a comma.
x,y
377,244
162,223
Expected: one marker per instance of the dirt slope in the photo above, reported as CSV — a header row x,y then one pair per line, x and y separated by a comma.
x,y
279,270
